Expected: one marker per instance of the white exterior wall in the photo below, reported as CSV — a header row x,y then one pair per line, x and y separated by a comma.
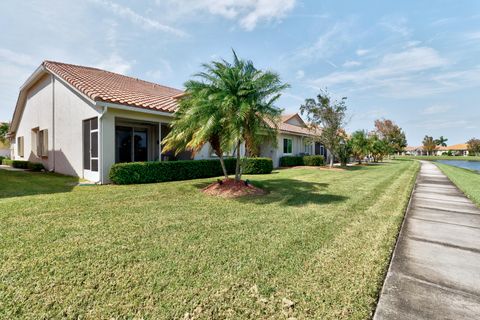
x,y
52,105
70,110
298,146
107,134
38,112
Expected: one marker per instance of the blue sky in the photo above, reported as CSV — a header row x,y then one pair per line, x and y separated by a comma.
x,y
415,62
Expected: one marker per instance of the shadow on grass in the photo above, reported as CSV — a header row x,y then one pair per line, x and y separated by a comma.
x,y
24,183
289,192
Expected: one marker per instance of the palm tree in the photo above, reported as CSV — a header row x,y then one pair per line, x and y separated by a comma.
x,y
197,122
429,144
359,145
237,99
441,141
4,132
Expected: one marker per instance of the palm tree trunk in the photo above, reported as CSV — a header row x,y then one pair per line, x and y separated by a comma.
x,y
224,169
237,167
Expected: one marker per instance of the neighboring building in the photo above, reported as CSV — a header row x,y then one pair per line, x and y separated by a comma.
x,y
79,121
456,150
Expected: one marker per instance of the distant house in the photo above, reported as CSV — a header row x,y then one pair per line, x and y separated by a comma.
x,y
456,150
79,121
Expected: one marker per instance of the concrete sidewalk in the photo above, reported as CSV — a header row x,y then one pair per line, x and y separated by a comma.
x,y
435,269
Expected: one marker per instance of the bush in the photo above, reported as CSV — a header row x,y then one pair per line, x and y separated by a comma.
x,y
35,166
313,161
257,165
20,164
1,159
291,161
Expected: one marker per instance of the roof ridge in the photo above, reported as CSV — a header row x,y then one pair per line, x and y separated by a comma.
x,y
111,72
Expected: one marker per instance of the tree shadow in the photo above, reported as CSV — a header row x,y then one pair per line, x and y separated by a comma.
x,y
288,192
25,183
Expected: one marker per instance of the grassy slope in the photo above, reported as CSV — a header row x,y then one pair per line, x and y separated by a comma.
x,y
432,158
321,239
468,181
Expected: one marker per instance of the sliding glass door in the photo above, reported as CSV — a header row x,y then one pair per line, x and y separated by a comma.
x,y
131,144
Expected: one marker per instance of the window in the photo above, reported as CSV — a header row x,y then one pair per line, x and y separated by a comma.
x,y
20,146
287,146
90,144
43,143
308,148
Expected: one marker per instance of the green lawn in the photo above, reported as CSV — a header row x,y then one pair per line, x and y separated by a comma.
x,y
468,181
321,239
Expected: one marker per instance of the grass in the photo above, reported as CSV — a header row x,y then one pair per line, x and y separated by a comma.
x,y
321,239
433,158
466,180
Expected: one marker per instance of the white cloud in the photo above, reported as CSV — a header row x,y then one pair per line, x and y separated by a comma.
x,y
362,52
396,24
436,109
115,63
17,58
351,63
136,18
300,74
393,66
248,13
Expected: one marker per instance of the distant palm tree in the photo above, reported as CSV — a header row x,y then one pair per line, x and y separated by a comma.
x,y
429,144
229,104
441,141
3,132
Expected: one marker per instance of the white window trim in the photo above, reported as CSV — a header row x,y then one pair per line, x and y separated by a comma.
x,y
283,146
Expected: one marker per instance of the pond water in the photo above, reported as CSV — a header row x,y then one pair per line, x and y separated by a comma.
x,y
471,165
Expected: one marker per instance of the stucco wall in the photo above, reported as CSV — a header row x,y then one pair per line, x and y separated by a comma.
x,y
37,113
107,128
70,110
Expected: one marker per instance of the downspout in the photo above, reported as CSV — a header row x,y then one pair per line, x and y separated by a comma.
x,y
105,108
53,123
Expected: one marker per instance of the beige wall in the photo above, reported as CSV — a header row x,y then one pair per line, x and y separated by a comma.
x,y
52,105
38,112
107,128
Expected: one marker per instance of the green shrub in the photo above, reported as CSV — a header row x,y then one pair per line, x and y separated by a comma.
x,y
291,161
20,164
35,166
313,160
257,165
1,159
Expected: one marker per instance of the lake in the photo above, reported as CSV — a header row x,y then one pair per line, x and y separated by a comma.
x,y
466,164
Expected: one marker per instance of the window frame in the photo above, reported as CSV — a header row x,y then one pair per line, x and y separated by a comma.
x,y
287,146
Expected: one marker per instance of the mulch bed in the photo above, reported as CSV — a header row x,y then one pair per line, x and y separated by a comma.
x,y
231,189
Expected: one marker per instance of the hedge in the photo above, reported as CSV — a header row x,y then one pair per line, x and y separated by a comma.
x,y
313,160
150,172
257,165
291,161
22,164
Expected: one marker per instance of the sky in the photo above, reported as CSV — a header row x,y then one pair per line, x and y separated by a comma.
x,y
416,62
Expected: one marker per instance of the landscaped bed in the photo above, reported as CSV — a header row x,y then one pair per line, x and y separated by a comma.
x,y
317,245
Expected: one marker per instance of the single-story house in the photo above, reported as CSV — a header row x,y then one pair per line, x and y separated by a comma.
x,y
79,121
457,150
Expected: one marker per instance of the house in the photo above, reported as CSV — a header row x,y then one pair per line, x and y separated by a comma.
x,y
79,121
460,149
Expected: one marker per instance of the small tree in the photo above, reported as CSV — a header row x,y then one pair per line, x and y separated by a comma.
x,y
359,145
473,146
378,147
392,134
4,132
327,119
429,144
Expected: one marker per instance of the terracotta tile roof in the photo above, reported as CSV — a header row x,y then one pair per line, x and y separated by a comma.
x,y
101,85
460,146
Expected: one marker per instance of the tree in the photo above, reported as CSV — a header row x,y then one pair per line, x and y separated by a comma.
x,y
229,104
4,127
196,122
378,148
441,141
327,119
473,146
392,134
359,145
429,144
344,151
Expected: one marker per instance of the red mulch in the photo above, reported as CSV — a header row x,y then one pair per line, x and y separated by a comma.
x,y
232,189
